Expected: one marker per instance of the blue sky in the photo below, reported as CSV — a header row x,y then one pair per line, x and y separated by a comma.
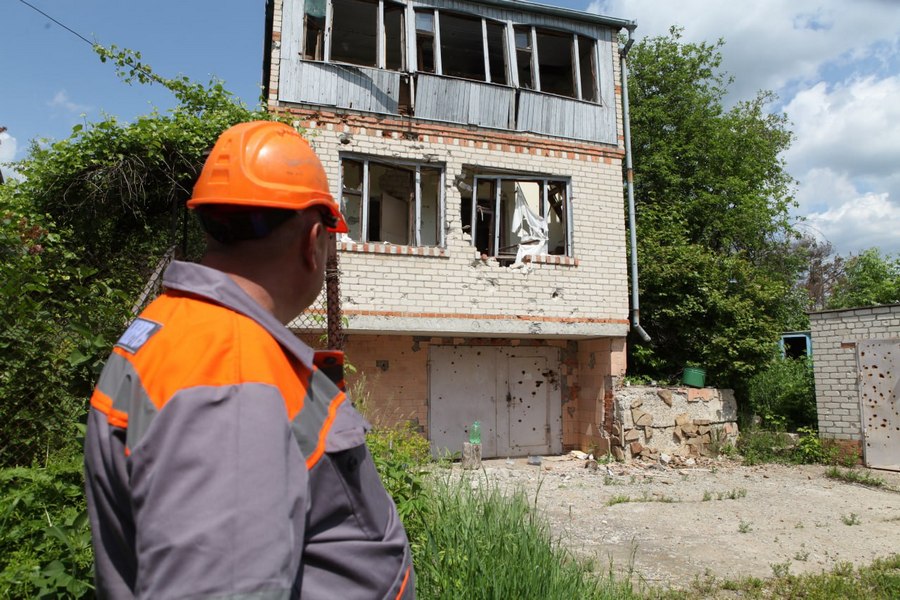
x,y
835,65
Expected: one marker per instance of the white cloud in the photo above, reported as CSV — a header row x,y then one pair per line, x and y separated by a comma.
x,y
769,44
835,65
7,153
62,101
852,126
870,220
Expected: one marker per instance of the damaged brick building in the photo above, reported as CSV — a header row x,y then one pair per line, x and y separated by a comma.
x,y
477,148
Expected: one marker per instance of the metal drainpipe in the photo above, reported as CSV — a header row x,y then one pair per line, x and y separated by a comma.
x,y
629,184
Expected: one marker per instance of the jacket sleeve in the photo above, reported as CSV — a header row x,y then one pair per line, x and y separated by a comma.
x,y
356,547
218,497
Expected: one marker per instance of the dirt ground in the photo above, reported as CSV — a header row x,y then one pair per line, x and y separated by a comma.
x,y
752,522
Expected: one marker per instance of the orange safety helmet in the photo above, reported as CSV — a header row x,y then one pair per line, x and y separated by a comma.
x,y
265,164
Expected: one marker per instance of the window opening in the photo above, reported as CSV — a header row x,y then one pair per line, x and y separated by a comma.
x,y
587,68
314,29
394,36
556,209
425,41
481,215
523,56
352,196
555,63
430,214
462,46
354,37
496,51
392,203
517,217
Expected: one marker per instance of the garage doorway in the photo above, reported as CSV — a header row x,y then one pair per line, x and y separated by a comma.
x,y
514,392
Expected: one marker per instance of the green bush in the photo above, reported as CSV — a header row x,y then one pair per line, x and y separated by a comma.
x,y
51,322
401,455
45,543
758,446
784,394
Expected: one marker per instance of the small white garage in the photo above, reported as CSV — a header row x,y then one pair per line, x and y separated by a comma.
x,y
857,370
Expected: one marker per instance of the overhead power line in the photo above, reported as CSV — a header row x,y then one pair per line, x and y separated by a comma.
x,y
131,64
63,25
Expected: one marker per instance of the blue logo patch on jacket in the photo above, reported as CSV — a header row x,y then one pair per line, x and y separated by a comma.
x,y
137,334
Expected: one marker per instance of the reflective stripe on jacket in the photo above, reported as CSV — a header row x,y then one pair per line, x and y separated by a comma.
x,y
221,462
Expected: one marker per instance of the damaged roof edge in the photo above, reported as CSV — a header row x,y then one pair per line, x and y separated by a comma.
x,y
569,13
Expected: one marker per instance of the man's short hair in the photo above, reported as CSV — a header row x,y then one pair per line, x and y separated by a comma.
x,y
232,224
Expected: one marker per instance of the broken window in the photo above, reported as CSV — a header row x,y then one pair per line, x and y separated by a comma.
x,y
496,51
394,36
587,68
354,32
462,46
523,57
425,41
566,63
513,217
362,32
314,28
557,71
393,202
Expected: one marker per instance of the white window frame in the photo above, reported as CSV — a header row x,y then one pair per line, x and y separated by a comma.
x,y
366,160
380,34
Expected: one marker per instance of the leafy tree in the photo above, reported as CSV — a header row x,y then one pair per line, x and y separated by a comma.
x,y
868,279
821,270
79,236
717,275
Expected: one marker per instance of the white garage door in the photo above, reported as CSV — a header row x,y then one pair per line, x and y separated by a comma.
x,y
879,395
513,392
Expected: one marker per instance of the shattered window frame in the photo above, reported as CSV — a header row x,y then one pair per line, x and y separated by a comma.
x,y
494,211
513,48
426,212
390,50
585,81
495,64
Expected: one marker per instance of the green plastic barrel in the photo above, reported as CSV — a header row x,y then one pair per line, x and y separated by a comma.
x,y
694,377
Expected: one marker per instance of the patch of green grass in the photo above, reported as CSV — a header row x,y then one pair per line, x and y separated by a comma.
x,y
618,499
745,527
878,581
782,569
851,519
854,476
730,495
645,497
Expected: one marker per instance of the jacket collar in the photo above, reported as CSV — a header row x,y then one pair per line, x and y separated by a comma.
x,y
216,286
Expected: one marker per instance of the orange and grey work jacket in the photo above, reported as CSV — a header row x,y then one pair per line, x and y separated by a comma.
x,y
220,462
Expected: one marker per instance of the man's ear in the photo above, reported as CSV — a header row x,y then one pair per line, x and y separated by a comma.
x,y
313,246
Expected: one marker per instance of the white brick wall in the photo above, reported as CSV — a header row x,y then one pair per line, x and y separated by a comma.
x,y
834,338
458,283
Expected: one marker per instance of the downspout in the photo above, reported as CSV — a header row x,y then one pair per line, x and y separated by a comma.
x,y
629,184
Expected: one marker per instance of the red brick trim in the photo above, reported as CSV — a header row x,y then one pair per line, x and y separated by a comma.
x,y
434,251
481,316
395,249
553,259
451,134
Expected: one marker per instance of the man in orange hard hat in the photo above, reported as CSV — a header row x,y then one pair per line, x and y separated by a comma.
x,y
220,461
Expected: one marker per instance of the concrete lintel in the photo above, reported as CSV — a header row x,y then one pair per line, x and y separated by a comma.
x,y
523,328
